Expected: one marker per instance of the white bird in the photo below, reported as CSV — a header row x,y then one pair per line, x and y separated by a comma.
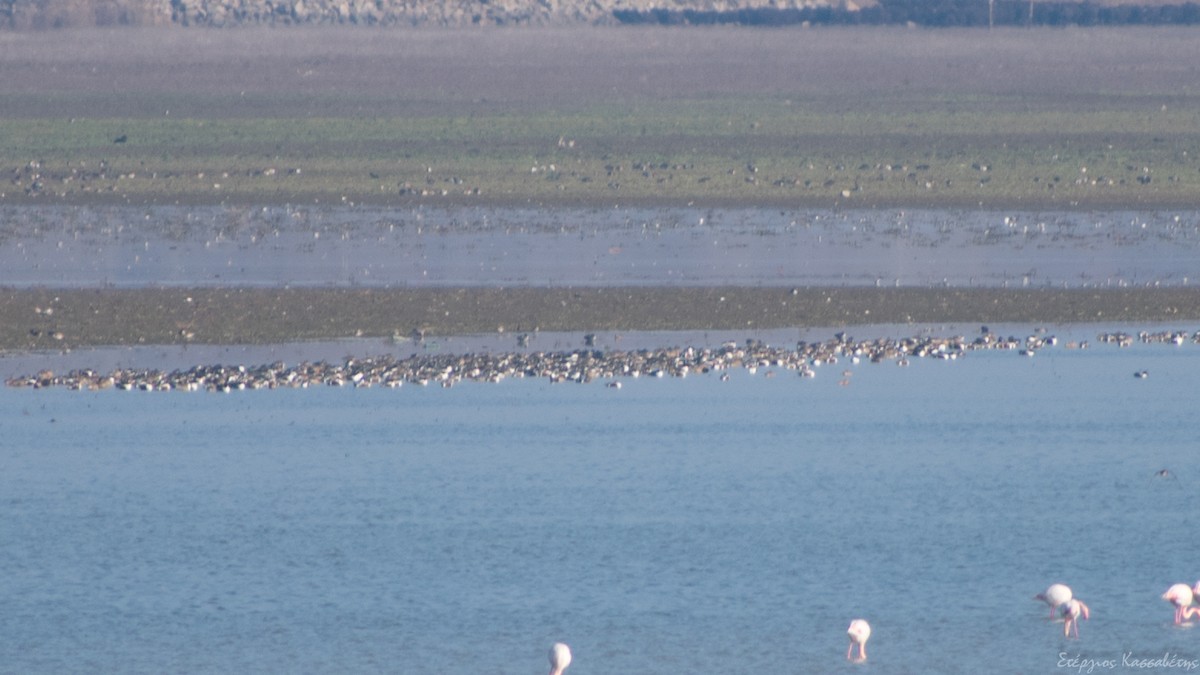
x,y
560,658
1056,596
859,632
1188,612
1071,611
1181,596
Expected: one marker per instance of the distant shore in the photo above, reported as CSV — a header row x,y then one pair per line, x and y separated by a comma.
x,y
47,14
1014,119
49,319
851,118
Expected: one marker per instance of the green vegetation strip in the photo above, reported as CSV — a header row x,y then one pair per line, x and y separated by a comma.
x,y
970,151
60,318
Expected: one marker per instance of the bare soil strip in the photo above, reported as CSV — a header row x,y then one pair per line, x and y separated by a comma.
x,y
58,318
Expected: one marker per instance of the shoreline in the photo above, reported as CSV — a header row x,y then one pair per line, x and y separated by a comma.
x,y
580,359
1000,203
576,358
36,319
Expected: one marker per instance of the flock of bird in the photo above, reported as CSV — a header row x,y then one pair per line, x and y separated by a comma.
x,y
1059,597
1062,601
579,365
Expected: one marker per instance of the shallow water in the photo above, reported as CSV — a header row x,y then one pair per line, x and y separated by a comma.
x,y
468,246
671,526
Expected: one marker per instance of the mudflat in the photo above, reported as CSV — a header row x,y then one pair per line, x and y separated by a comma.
x,y
46,319
550,118
1038,118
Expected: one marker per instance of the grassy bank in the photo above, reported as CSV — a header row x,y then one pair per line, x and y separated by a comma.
x,y
866,117
761,151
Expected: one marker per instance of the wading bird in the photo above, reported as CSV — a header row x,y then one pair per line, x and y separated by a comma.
x,y
1055,596
1181,596
560,658
1071,611
859,632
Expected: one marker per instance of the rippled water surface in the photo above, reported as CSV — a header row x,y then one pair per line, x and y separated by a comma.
x,y
425,246
671,526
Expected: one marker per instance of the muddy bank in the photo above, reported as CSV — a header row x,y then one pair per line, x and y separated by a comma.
x,y
55,319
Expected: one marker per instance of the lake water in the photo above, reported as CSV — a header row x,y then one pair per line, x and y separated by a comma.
x,y
670,526
618,246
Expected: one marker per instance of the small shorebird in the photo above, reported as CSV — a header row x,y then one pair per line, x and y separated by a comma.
x,y
1055,596
1166,474
560,658
859,632
1181,596
1071,611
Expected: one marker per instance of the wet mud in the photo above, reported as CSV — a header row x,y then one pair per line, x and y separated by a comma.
x,y
58,319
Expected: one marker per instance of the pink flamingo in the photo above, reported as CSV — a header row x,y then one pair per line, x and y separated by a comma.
x,y
1181,596
1056,596
1071,611
560,658
859,632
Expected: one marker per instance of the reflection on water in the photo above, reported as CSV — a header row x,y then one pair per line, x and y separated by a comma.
x,y
471,246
